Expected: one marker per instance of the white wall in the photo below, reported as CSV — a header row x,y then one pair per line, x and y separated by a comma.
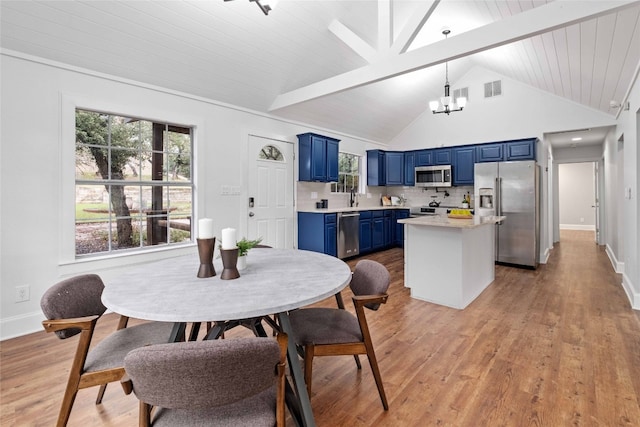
x,y
37,169
577,196
628,128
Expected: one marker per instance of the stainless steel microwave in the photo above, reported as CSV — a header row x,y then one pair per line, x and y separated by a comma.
x,y
433,176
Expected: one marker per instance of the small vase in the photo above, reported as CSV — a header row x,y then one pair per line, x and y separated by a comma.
x,y
242,262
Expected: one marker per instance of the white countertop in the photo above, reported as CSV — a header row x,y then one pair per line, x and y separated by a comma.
x,y
445,221
353,209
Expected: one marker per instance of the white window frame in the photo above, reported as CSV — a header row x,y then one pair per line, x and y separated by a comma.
x,y
68,262
361,174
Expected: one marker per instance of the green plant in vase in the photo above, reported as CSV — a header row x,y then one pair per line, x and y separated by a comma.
x,y
244,245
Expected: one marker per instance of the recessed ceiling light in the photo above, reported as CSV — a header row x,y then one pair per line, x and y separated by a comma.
x,y
576,139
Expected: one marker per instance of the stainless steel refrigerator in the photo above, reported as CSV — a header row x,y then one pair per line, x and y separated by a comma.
x,y
511,189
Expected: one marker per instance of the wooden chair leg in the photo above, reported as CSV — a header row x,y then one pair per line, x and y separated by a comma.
x,y
145,415
357,359
67,403
373,362
101,391
308,366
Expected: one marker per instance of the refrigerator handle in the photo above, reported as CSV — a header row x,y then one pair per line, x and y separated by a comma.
x,y
498,201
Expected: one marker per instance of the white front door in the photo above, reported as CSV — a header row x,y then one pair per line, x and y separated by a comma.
x,y
270,207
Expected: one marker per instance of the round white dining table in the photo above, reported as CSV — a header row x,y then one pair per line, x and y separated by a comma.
x,y
274,282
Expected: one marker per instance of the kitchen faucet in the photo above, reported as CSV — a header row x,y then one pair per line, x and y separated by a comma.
x,y
351,198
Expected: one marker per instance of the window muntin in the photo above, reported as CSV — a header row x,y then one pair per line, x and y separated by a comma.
x,y
349,166
270,152
133,183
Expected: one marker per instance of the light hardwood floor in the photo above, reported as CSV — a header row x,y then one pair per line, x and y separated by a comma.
x,y
553,347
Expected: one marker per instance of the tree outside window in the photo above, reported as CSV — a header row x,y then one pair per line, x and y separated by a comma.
x,y
134,184
348,174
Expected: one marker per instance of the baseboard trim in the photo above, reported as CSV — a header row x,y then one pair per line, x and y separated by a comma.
x,y
618,266
23,324
634,297
583,227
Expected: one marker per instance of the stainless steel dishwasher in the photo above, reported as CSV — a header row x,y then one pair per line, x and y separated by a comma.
x,y
348,234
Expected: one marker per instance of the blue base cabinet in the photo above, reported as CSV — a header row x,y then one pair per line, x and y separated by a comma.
x,y
317,158
377,230
318,232
365,232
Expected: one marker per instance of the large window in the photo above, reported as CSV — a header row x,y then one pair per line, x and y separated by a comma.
x,y
134,185
348,174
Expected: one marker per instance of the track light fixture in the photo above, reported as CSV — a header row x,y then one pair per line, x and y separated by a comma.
x,y
265,5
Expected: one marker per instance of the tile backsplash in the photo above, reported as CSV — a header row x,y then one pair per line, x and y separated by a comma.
x,y
415,196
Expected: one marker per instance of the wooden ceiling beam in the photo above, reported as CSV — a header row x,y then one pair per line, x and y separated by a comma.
x,y
524,25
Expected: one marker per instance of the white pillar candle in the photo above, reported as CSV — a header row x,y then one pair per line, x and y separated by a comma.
x,y
229,238
205,228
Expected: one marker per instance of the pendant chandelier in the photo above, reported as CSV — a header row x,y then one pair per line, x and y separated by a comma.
x,y
446,104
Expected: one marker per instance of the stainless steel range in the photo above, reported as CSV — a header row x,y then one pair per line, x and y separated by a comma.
x,y
426,210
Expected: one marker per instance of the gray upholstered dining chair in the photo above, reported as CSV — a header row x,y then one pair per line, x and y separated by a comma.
x,y
321,331
232,382
72,307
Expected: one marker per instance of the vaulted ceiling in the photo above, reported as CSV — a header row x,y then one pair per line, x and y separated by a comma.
x,y
366,68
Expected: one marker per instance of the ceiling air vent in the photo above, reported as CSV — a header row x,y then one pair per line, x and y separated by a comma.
x,y
493,89
462,92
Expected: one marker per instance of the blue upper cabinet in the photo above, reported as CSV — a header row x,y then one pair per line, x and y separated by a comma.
x,y
522,149
317,158
490,152
394,168
463,165
442,156
424,158
332,160
385,168
409,168
376,175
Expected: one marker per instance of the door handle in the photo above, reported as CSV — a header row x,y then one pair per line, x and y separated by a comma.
x,y
251,214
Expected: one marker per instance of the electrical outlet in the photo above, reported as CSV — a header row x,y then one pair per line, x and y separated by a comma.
x,y
22,293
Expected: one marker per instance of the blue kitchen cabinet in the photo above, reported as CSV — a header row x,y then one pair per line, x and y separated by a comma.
x,y
490,152
376,174
424,157
377,230
463,165
318,232
317,158
330,235
394,168
365,232
385,168
522,149
388,229
442,156
409,168
398,235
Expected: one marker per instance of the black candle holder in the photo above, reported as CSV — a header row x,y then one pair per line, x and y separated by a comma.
x,y
229,264
205,252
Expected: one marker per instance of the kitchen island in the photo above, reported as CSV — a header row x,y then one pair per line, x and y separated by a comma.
x,y
449,261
